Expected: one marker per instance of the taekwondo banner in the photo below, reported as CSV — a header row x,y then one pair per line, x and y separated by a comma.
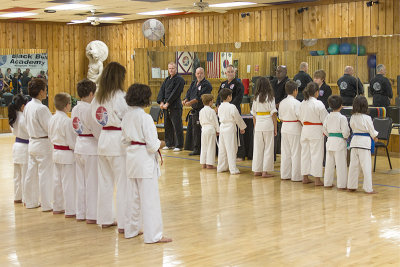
x,y
34,62
184,62
226,60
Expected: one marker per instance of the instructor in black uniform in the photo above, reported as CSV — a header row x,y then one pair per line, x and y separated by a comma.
x,y
169,99
380,88
197,88
302,79
233,84
278,83
349,86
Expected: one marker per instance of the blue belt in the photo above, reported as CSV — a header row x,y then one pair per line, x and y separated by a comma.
x,y
20,140
372,140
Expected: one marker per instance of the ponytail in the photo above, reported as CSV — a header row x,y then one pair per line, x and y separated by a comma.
x,y
310,90
16,104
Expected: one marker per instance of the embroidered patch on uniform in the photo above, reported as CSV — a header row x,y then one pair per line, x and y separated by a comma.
x,y
77,125
232,85
321,92
343,86
101,115
199,88
298,83
377,86
223,85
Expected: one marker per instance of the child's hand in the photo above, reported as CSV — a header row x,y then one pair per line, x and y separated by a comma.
x,y
217,133
162,144
242,131
275,132
376,139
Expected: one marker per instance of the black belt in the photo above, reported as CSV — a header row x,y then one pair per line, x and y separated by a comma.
x,y
43,137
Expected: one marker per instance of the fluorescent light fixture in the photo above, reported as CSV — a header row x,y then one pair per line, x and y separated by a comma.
x,y
233,4
109,18
17,14
69,7
159,12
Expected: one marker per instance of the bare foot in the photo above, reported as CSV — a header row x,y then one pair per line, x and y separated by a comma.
x,y
211,167
329,186
17,201
267,175
108,225
80,220
318,182
70,216
204,166
239,159
164,240
58,212
351,190
257,174
372,192
121,231
47,210
91,221
306,180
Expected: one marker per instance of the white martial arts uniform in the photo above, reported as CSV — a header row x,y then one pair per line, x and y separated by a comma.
x,y
312,138
360,155
229,117
20,155
63,139
111,159
88,131
263,151
143,200
39,176
209,129
289,109
336,149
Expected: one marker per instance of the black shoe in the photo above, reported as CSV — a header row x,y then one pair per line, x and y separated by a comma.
x,y
194,153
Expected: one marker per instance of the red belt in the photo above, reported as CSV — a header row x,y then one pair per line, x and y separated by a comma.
x,y
112,128
86,135
312,123
61,147
290,121
143,144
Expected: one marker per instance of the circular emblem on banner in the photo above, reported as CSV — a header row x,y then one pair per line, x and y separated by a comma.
x,y
377,86
101,115
298,83
343,86
232,85
3,60
77,125
321,92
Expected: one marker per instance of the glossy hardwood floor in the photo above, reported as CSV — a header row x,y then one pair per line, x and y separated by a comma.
x,y
218,220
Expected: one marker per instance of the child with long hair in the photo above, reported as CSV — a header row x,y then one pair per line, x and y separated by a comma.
x,y
265,128
108,108
312,114
16,120
360,145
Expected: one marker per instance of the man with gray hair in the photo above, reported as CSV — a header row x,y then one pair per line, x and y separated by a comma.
x,y
349,86
198,87
380,88
302,79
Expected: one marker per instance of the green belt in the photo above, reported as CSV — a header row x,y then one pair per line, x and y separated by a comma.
x,y
336,135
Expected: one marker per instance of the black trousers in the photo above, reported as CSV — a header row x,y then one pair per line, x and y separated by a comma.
x,y
347,100
173,127
196,130
380,101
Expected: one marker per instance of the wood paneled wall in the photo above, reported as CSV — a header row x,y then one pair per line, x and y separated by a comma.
x,y
66,44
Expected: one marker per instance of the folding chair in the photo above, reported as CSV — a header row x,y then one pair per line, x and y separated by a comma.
x,y
384,128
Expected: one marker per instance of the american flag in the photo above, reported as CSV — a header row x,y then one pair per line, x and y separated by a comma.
x,y
213,64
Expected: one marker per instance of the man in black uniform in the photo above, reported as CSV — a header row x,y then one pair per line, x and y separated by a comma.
x,y
380,88
302,79
170,102
278,83
349,86
198,87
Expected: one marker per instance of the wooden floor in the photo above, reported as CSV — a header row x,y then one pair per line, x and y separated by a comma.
x,y
218,220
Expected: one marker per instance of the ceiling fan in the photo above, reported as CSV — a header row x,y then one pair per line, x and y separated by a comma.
x,y
201,7
97,20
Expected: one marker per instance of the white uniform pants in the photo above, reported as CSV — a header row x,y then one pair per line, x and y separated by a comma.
x,y
291,157
86,187
39,181
312,157
111,173
143,207
64,188
19,180
227,152
207,152
263,152
338,159
360,158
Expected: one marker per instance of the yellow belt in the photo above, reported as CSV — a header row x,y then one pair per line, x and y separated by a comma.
x,y
263,113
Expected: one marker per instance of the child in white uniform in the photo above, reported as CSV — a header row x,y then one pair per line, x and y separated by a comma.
x,y
360,145
20,148
39,176
312,114
139,134
108,108
63,139
337,129
88,131
289,109
209,131
229,117
264,117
